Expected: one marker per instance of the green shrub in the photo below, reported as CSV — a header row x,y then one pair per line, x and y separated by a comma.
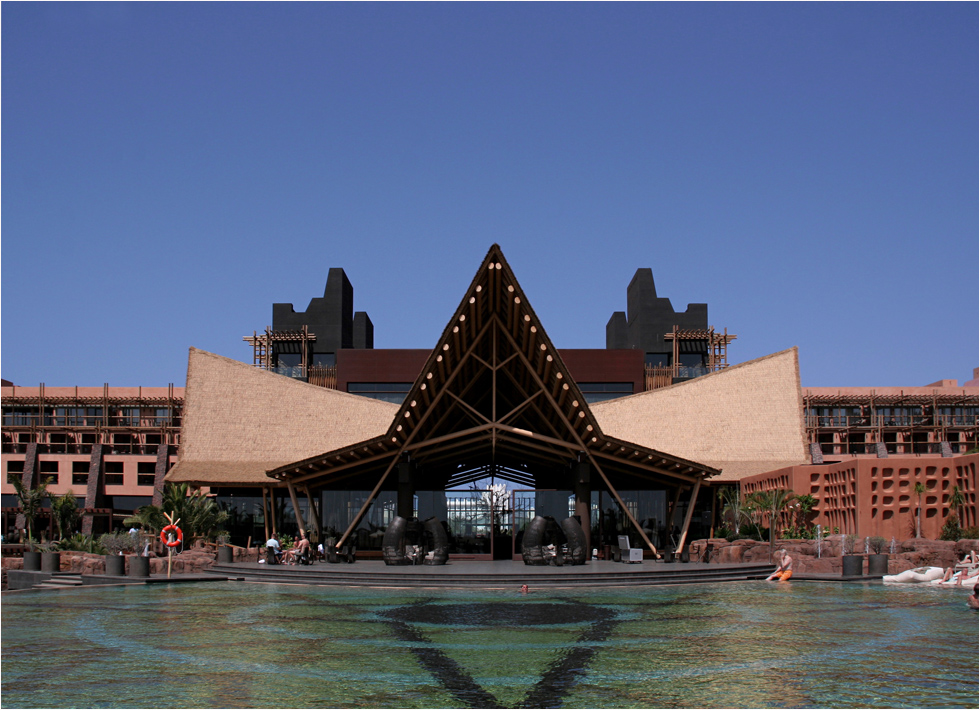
x,y
82,543
118,541
951,529
969,533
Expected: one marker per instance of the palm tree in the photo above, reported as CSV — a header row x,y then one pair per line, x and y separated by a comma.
x,y
65,511
30,502
918,489
734,506
956,499
773,503
148,517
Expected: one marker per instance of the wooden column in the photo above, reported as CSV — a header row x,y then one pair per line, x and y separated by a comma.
x,y
687,516
265,513
583,501
406,489
299,516
272,509
314,514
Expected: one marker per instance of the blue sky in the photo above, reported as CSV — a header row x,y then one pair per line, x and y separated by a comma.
x,y
171,170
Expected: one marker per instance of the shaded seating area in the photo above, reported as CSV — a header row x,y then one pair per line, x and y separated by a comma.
x,y
410,542
548,543
347,553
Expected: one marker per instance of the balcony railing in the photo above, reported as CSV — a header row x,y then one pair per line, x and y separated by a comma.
x,y
891,421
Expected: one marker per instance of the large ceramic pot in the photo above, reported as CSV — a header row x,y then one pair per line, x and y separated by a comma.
x,y
852,566
139,566
225,553
877,565
115,565
32,561
51,562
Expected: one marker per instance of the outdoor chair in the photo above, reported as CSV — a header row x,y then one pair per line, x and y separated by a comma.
x,y
629,554
271,558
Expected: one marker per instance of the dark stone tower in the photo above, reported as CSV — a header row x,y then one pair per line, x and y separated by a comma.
x,y
649,317
330,318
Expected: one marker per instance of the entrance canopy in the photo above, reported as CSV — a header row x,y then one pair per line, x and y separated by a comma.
x,y
494,399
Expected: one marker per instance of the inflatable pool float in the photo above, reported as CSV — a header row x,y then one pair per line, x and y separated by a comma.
x,y
915,576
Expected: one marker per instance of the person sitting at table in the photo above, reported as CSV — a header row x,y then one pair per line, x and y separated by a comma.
x,y
302,546
273,543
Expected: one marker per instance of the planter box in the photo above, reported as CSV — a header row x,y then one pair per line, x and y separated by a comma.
x,y
852,566
225,554
115,565
877,565
50,561
32,561
139,566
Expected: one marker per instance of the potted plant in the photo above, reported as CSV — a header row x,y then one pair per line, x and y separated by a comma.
x,y
878,560
32,555
116,544
50,558
225,551
851,565
30,503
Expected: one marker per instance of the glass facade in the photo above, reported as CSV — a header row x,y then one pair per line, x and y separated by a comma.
x,y
394,392
478,521
601,391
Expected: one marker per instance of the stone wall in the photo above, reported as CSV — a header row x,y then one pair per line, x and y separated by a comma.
x,y
187,562
908,553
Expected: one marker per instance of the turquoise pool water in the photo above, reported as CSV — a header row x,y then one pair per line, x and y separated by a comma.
x,y
733,645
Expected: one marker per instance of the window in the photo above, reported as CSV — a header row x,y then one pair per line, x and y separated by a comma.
x,y
18,416
79,473
146,473
48,466
324,360
601,391
114,473
15,470
386,391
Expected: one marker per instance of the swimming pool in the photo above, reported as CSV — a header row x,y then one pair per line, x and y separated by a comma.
x,y
747,644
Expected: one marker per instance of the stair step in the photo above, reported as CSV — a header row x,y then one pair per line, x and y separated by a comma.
x,y
332,576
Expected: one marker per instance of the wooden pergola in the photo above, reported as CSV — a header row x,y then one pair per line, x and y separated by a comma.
x,y
495,399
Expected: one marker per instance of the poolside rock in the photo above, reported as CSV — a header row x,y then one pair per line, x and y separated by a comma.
x,y
909,553
193,561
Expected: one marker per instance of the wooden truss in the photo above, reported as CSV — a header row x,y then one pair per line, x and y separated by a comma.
x,y
262,345
495,396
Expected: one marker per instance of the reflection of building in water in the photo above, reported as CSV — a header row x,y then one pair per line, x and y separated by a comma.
x,y
634,438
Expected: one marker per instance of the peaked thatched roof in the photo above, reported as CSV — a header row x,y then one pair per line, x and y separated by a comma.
x,y
240,422
495,398
746,419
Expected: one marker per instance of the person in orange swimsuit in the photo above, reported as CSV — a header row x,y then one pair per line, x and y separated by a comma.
x,y
784,569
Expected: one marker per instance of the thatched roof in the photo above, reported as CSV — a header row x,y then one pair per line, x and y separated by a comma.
x,y
240,422
495,398
744,420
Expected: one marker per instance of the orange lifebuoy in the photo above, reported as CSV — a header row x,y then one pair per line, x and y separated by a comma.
x,y
168,540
